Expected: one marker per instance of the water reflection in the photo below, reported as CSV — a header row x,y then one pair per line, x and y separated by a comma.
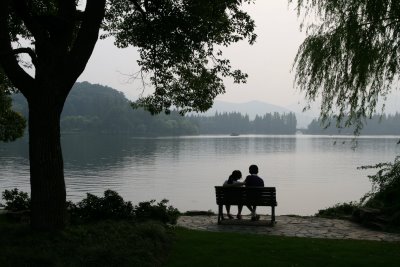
x,y
105,152
310,172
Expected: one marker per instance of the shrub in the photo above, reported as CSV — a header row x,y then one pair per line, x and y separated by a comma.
x,y
16,200
150,210
111,206
385,192
341,210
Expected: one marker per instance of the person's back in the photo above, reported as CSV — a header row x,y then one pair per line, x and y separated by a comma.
x,y
253,180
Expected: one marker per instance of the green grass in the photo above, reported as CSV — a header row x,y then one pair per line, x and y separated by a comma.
x,y
199,248
106,243
112,243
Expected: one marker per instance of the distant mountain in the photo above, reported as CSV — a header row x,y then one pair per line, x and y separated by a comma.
x,y
254,108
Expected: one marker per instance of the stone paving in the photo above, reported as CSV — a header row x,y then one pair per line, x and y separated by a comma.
x,y
289,226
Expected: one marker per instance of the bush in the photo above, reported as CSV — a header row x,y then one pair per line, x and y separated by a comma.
x,y
341,210
385,192
111,206
156,211
16,200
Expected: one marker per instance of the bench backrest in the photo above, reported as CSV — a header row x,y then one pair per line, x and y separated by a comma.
x,y
259,196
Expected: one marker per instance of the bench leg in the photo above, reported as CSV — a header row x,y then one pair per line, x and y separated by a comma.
x,y
272,215
220,213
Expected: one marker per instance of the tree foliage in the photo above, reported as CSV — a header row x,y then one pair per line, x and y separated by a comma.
x,y
12,124
385,192
16,200
177,43
350,57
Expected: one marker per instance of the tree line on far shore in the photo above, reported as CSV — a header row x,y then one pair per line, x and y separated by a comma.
x,y
376,125
235,122
93,108
100,109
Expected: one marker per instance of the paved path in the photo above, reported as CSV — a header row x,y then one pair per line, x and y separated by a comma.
x,y
289,226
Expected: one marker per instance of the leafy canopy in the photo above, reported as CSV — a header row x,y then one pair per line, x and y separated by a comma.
x,y
179,44
12,124
350,57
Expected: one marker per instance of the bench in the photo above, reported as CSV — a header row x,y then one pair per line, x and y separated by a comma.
x,y
246,196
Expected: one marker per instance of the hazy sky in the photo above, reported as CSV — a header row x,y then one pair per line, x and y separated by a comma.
x,y
268,62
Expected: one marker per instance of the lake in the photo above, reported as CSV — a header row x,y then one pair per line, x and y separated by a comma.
x,y
309,172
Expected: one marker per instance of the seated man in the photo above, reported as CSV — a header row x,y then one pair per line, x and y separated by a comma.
x,y
253,180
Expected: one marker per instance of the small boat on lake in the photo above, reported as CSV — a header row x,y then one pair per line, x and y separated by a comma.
x,y
234,134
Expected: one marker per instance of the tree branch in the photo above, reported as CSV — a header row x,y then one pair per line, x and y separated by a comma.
x,y
67,18
389,22
87,36
21,9
140,9
26,50
8,61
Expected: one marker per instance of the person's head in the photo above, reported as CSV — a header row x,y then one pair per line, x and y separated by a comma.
x,y
253,169
236,175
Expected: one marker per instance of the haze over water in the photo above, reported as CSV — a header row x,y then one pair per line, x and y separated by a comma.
x,y
309,172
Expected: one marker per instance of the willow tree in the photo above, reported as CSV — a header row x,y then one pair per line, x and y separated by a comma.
x,y
350,57
178,42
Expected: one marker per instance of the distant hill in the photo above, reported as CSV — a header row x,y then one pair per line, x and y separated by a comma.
x,y
101,109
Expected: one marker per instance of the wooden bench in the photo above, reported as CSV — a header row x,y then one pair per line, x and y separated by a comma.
x,y
246,196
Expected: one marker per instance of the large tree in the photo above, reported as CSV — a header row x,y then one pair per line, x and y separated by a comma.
x,y
350,58
178,42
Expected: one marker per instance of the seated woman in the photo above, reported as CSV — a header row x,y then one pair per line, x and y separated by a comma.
x,y
233,181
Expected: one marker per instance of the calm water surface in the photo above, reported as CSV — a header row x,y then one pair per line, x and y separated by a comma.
x,y
309,172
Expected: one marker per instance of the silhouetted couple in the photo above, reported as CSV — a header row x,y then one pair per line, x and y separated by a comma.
x,y
251,180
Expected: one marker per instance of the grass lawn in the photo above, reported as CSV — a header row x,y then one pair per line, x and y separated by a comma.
x,y
199,248
106,243
123,243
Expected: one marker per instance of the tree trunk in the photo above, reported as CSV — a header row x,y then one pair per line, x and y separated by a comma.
x,y
62,48
48,193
